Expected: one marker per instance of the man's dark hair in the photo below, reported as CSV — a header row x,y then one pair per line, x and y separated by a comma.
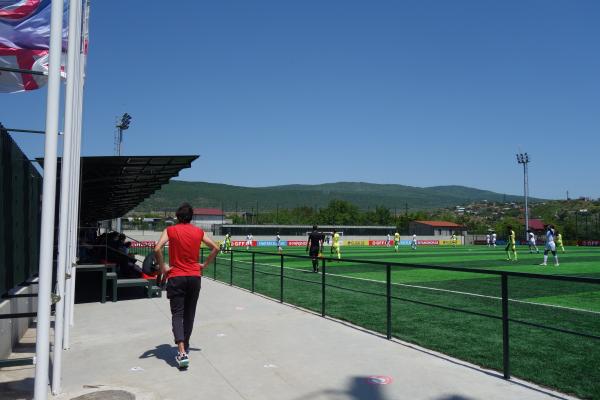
x,y
184,213
314,227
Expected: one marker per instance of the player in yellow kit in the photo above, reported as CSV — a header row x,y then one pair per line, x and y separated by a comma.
x,y
336,244
453,238
510,245
559,242
396,241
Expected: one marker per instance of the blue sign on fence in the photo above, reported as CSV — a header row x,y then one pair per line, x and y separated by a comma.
x,y
271,243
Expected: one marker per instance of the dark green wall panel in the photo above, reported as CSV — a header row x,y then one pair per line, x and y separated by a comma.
x,y
20,190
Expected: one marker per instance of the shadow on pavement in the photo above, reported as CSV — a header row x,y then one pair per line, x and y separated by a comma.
x,y
164,352
367,388
360,388
17,390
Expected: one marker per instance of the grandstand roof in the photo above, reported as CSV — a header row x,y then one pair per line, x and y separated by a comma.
x,y
111,186
440,224
208,211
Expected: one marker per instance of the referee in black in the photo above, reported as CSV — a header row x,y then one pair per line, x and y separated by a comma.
x,y
315,244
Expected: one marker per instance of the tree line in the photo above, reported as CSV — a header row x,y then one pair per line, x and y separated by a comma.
x,y
567,217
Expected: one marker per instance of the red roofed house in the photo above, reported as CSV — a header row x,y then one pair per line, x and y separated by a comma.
x,y
435,228
536,225
206,218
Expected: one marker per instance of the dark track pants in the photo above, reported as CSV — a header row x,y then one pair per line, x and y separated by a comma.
x,y
183,292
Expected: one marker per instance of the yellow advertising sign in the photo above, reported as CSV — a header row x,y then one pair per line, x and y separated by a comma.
x,y
356,242
449,242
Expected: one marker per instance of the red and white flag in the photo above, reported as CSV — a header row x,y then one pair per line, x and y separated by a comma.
x,y
25,41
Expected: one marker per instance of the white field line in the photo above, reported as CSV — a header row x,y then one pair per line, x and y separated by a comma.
x,y
437,289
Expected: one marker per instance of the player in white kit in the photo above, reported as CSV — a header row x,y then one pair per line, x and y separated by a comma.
x,y
488,239
388,240
550,246
494,236
278,240
413,243
248,241
531,242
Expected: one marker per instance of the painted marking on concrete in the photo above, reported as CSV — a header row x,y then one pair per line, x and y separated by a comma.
x,y
136,369
270,366
221,335
239,308
379,380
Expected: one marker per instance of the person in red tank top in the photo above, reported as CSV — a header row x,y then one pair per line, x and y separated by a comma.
x,y
183,273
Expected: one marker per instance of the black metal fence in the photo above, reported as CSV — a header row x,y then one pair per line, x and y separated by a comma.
x,y
20,191
488,317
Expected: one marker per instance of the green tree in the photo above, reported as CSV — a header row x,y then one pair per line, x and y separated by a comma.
x,y
339,212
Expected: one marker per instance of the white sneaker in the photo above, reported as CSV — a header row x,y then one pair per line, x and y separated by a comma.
x,y
556,265
183,360
544,264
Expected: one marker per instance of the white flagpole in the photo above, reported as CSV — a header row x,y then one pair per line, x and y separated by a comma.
x,y
72,216
73,239
77,180
42,348
72,230
73,208
65,185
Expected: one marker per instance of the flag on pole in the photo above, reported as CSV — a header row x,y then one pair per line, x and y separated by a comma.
x,y
24,42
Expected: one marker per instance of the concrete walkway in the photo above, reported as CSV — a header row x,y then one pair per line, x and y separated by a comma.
x,y
248,347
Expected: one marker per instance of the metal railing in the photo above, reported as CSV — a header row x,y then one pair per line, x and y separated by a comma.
x,y
220,271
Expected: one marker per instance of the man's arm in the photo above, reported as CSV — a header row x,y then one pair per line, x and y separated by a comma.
x,y
307,243
164,238
214,250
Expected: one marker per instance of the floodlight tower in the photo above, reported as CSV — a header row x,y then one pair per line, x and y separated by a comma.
x,y
122,125
523,158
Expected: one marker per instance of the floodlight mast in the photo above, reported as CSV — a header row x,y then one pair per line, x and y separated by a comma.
x,y
121,126
523,158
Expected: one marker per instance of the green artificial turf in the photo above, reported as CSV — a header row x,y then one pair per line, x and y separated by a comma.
x,y
554,325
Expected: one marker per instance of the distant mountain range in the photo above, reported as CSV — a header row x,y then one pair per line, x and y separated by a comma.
x,y
364,195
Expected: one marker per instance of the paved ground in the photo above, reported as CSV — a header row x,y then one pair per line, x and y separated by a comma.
x,y
249,347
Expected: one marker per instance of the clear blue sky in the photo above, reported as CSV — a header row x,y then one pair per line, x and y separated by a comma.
x,y
419,92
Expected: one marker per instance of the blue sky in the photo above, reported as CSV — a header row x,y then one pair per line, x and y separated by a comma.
x,y
419,92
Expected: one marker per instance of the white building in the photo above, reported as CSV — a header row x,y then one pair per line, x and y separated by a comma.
x,y
207,218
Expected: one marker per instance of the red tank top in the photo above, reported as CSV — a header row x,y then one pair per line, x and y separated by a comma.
x,y
184,250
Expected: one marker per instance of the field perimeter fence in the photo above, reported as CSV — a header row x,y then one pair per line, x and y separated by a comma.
x,y
492,318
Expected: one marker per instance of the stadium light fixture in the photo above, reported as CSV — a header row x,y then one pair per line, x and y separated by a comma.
x,y
523,158
122,125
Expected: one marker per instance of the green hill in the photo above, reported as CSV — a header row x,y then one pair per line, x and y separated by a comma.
x,y
364,195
